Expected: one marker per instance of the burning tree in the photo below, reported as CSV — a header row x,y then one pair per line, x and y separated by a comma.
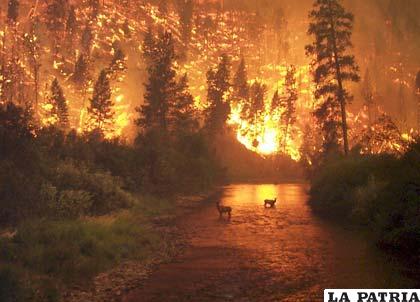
x,y
331,25
101,112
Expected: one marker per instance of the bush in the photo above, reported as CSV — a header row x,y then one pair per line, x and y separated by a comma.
x,y
379,191
99,192
334,186
18,189
72,203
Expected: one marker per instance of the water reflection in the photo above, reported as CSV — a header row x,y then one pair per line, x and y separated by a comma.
x,y
261,254
300,252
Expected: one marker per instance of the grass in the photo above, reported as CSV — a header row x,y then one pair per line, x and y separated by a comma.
x,y
66,252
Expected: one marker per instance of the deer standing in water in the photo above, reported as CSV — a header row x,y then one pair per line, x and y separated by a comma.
x,y
270,202
223,209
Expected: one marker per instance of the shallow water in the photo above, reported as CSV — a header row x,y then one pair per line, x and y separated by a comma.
x,y
269,254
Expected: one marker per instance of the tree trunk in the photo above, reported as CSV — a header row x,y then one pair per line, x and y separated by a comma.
x,y
341,98
285,137
343,115
418,109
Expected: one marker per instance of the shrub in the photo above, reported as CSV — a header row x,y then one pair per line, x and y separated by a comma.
x,y
72,203
105,191
380,191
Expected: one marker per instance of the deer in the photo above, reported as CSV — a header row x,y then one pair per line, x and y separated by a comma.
x,y
270,202
223,209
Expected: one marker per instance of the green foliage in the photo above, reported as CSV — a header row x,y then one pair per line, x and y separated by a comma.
x,y
72,204
332,191
102,192
75,251
381,192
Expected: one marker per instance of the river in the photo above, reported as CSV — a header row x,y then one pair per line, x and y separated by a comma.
x,y
284,253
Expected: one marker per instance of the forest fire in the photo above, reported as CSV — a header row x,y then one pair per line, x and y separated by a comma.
x,y
211,34
180,150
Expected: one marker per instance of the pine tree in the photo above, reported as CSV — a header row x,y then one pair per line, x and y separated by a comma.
x,y
185,12
149,46
12,10
101,112
56,15
161,84
332,27
33,53
240,84
71,23
367,94
183,111
218,109
87,39
257,98
288,105
81,73
118,63
275,102
59,105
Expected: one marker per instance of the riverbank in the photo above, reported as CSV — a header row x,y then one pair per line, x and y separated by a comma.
x,y
379,193
92,259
